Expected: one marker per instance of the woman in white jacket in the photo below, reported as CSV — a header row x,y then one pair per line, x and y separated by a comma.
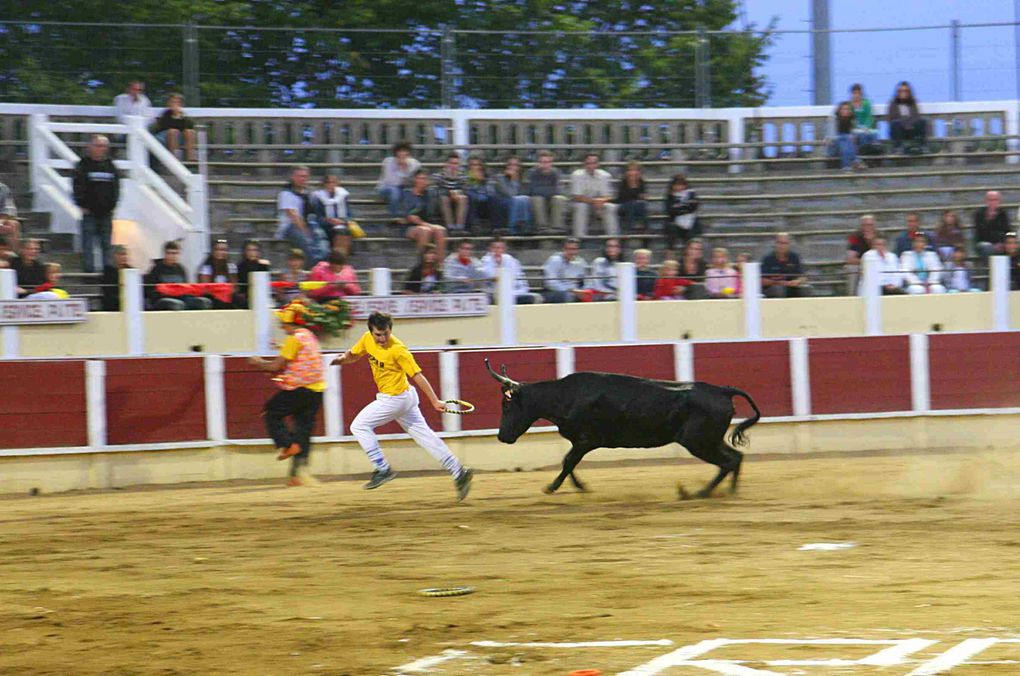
x,y
922,268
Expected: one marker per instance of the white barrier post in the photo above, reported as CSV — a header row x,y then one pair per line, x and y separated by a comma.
x,y
381,282
750,285
215,398
683,361
800,377
95,399
626,294
735,137
9,291
132,305
331,400
506,303
564,361
449,387
1000,283
259,300
871,289
920,378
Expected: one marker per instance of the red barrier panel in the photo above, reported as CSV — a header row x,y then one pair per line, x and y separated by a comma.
x,y
643,361
155,400
358,389
246,391
762,369
43,404
478,387
974,370
860,375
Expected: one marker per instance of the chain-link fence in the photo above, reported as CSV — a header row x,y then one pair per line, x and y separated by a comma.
x,y
225,66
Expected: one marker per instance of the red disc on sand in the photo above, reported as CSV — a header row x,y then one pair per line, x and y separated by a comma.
x,y
586,672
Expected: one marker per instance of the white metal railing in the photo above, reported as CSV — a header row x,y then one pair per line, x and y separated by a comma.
x,y
147,198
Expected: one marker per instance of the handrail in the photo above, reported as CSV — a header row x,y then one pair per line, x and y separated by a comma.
x,y
156,182
58,146
165,157
87,128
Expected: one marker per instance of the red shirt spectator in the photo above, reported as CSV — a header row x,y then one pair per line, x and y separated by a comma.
x,y
343,280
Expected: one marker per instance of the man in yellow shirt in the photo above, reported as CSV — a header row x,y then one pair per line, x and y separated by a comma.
x,y
300,375
392,365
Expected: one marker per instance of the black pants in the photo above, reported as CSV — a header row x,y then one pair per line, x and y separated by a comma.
x,y
303,404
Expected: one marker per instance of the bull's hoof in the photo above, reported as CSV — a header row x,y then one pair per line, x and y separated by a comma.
x,y
548,490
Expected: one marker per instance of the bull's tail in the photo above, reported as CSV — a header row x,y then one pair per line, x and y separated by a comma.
x,y
737,437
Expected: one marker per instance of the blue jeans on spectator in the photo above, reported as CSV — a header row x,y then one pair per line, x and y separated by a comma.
x,y
633,214
917,131
847,150
510,212
393,195
96,227
479,206
313,243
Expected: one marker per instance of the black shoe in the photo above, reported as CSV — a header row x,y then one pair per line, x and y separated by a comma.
x,y
463,482
379,477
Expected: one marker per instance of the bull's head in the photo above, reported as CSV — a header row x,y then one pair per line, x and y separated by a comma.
x,y
515,420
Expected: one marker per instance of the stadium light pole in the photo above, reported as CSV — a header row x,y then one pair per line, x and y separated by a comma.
x,y
821,53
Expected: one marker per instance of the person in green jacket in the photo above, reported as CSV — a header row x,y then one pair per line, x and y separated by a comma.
x,y
864,127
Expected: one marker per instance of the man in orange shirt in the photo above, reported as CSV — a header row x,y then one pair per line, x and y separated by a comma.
x,y
300,375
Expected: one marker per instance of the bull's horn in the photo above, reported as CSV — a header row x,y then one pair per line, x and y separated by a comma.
x,y
498,378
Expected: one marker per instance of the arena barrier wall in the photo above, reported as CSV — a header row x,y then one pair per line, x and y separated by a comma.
x,y
100,423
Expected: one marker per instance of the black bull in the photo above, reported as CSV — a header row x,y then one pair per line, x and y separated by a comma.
x,y
608,410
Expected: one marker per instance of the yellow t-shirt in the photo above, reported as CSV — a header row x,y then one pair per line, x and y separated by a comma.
x,y
391,366
307,367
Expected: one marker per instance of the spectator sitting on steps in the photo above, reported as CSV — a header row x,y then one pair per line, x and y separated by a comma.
x,y
681,207
31,271
591,195
669,285
632,198
949,235
50,289
991,223
922,269
959,272
294,209
450,185
173,124
546,198
218,269
417,205
252,262
844,141
462,272
721,279
782,275
564,274
168,270
890,279
603,270
905,121
111,279
905,242
294,273
426,276
496,258
864,131
646,276
342,278
397,171
334,214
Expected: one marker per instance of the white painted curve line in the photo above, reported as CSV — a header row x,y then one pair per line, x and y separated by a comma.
x,y
424,664
581,644
953,657
897,654
675,658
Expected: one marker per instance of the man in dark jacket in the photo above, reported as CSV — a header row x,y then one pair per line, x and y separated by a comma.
x,y
168,270
96,191
991,223
111,279
782,275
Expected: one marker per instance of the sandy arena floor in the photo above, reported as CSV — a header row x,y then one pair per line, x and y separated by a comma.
x,y
269,580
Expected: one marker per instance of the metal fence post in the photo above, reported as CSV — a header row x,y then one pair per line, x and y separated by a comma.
x,y
702,71
189,59
446,57
954,59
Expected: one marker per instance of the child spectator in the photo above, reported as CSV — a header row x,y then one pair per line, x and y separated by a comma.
x,y
692,269
110,281
603,270
959,272
905,121
295,273
168,270
546,199
949,235
173,124
417,205
563,274
30,270
645,274
293,206
334,215
462,271
721,280
632,197
477,188
511,206
681,207
425,277
843,138
450,184
921,267
890,279
670,286
865,132
341,277
397,171
252,262
218,269
50,289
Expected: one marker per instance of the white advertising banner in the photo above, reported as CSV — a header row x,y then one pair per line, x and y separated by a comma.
x,y
14,312
425,305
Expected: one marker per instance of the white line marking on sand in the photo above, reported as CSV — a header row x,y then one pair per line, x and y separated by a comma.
x,y
953,657
425,663
582,644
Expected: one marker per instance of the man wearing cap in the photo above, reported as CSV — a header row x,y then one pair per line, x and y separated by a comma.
x,y
301,378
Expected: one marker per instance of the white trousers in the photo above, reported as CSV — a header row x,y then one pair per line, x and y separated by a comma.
x,y
582,215
404,409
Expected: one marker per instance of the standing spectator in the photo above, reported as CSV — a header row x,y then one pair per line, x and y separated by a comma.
x,y
9,225
949,235
990,225
645,274
591,194
293,206
681,207
546,200
218,269
133,102
693,270
252,262
425,277
843,138
168,270
477,189
173,124
922,269
111,279
462,272
722,280
603,270
96,191
341,278
1011,248
416,208
905,121
512,207
564,273
397,171
669,285
496,258
450,184
865,132
782,275
890,279
905,241
295,273
30,270
959,272
333,213
632,198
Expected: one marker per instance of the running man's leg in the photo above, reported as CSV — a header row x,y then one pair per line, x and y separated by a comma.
x,y
379,412
414,424
279,406
304,423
